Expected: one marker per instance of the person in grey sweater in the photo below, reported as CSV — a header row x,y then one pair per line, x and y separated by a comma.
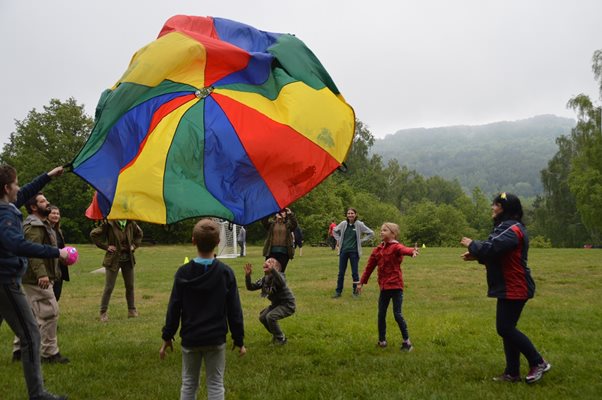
x,y
350,234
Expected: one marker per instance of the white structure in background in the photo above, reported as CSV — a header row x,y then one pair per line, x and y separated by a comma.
x,y
227,248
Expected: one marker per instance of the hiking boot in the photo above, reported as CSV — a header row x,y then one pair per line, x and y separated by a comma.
x,y
55,359
382,343
336,295
406,346
49,396
507,378
104,317
133,313
536,372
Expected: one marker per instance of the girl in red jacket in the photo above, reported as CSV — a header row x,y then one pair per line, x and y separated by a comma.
x,y
388,257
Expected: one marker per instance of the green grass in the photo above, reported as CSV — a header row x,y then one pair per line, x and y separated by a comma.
x,y
331,352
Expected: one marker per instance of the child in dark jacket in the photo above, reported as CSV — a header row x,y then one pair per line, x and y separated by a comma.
x,y
273,286
205,299
388,256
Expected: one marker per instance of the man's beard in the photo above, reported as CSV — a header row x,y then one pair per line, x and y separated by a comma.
x,y
44,212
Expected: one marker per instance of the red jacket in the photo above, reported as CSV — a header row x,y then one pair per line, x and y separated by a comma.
x,y
388,256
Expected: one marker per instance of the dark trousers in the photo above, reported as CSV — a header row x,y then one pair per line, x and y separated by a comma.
x,y
281,258
57,288
15,309
353,258
127,272
269,318
515,342
383,304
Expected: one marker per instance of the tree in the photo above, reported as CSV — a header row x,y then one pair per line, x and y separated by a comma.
x,y
585,177
362,141
44,140
437,225
556,214
315,210
570,211
479,213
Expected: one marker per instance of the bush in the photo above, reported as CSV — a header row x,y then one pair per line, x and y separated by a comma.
x,y
540,242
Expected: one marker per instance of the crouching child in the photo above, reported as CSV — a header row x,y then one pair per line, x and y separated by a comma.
x,y
273,286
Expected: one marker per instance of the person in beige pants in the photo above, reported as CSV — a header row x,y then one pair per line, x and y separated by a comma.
x,y
39,279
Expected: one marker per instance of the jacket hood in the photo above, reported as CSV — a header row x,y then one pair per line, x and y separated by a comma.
x,y
199,276
33,221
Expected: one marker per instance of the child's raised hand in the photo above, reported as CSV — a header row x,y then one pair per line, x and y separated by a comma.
x,y
415,252
167,344
248,269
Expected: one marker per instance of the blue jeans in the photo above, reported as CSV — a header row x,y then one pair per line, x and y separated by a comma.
x,y
215,364
383,304
15,309
354,258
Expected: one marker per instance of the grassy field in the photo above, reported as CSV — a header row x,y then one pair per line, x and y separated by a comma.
x,y
332,351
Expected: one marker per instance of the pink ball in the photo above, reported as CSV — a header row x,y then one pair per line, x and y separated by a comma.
x,y
73,255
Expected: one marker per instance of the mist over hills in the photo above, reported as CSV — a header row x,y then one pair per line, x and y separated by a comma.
x,y
506,155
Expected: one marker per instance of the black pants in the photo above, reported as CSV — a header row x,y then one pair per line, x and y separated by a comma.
x,y
281,258
57,288
383,304
515,342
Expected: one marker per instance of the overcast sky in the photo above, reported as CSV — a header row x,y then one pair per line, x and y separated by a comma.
x,y
400,64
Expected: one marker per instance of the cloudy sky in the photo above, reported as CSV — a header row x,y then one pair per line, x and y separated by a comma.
x,y
400,64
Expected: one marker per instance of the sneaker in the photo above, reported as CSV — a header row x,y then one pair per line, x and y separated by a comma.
x,y
382,343
16,355
536,372
406,346
280,341
507,378
132,313
104,317
336,295
355,293
49,396
55,359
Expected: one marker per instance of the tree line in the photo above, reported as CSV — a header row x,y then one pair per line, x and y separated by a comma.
x,y
430,210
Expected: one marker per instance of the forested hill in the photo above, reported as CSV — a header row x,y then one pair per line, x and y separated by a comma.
x,y
498,156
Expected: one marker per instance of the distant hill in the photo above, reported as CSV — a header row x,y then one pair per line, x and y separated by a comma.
x,y
499,156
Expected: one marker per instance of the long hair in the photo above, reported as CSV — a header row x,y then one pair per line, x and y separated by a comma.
x,y
352,209
511,208
57,226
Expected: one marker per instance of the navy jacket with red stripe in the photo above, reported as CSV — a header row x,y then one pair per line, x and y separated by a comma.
x,y
504,254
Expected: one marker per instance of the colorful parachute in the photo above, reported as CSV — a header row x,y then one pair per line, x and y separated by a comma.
x,y
215,118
